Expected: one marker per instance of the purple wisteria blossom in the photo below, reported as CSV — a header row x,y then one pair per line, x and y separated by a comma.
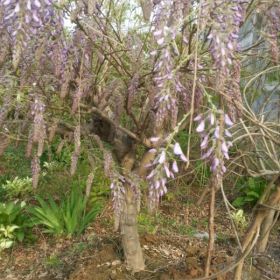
x,y
226,18
209,130
162,170
166,79
26,21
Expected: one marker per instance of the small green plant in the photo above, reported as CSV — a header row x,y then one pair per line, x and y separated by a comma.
x,y
69,217
53,261
239,219
14,223
7,236
250,190
18,187
147,223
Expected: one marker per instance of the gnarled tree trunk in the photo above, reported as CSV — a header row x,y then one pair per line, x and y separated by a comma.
x,y
128,219
259,222
265,231
129,232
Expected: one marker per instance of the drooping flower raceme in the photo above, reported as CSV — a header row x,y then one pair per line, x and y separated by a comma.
x,y
166,79
224,19
24,20
163,168
212,132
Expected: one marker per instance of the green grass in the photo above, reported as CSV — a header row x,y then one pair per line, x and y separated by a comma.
x,y
53,261
162,224
14,163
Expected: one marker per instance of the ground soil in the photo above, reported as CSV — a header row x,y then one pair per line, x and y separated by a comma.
x,y
169,254
97,255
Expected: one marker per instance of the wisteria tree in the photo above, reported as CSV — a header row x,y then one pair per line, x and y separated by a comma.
x,y
134,74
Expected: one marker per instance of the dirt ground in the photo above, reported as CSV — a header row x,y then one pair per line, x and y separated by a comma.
x,y
170,255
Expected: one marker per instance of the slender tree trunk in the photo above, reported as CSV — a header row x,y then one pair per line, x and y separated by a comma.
x,y
265,232
129,232
272,200
211,231
249,237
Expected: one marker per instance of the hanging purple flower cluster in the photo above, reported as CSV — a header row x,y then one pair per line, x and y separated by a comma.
x,y
36,135
273,27
67,74
166,80
211,132
77,149
39,125
24,20
161,171
226,17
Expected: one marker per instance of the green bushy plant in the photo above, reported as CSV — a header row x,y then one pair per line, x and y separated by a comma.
x,y
250,190
69,217
18,187
14,223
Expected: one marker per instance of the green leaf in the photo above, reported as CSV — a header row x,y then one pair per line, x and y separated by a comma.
x,y
20,236
254,194
251,183
6,243
238,202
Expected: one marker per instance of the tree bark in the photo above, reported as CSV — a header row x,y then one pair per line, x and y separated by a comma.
x,y
211,230
265,232
261,215
128,219
129,232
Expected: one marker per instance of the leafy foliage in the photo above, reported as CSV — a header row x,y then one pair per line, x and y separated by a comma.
x,y
239,219
18,187
61,154
14,223
250,190
70,217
